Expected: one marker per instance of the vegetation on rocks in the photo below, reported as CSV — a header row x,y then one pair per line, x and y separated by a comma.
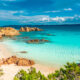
x,y
71,71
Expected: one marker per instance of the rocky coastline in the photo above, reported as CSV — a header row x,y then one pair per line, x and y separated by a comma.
x,y
28,29
9,31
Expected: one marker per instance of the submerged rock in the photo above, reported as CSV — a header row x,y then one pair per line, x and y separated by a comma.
x,y
28,29
37,41
25,37
51,34
43,40
23,52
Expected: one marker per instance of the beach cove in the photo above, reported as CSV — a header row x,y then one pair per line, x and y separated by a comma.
x,y
11,70
63,47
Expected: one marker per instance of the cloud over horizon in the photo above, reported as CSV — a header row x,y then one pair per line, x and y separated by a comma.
x,y
39,12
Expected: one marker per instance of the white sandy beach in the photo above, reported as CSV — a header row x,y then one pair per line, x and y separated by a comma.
x,y
11,70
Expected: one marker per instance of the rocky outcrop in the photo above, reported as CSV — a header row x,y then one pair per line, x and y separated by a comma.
x,y
37,41
8,31
17,61
28,29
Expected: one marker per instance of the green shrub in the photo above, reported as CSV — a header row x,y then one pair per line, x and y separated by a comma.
x,y
71,71
31,75
1,72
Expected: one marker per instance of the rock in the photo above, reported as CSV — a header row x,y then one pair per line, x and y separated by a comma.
x,y
43,40
0,37
25,37
37,29
30,41
33,41
9,31
23,62
51,35
31,62
23,52
22,29
1,62
17,61
28,29
37,41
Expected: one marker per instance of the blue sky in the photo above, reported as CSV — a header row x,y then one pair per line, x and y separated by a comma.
x,y
15,12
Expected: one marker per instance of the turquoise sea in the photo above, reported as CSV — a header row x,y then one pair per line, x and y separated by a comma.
x,y
64,45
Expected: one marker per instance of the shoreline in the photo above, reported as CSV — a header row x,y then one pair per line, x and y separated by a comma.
x,y
12,70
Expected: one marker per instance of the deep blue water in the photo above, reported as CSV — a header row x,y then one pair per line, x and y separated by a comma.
x,y
64,45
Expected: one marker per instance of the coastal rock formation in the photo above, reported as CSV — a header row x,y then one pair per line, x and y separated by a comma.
x,y
8,31
17,61
37,41
28,29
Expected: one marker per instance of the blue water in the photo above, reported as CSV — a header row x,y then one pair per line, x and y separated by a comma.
x,y
64,45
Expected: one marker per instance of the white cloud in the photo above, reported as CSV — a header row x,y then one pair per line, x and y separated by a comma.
x,y
9,16
68,9
62,19
58,19
52,11
6,12
65,9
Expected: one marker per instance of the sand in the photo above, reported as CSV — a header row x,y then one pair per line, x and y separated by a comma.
x,y
11,70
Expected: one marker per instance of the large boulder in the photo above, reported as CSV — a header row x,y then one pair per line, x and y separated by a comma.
x,y
17,61
9,31
24,62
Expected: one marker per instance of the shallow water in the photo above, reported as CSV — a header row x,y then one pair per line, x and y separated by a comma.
x,y
64,45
